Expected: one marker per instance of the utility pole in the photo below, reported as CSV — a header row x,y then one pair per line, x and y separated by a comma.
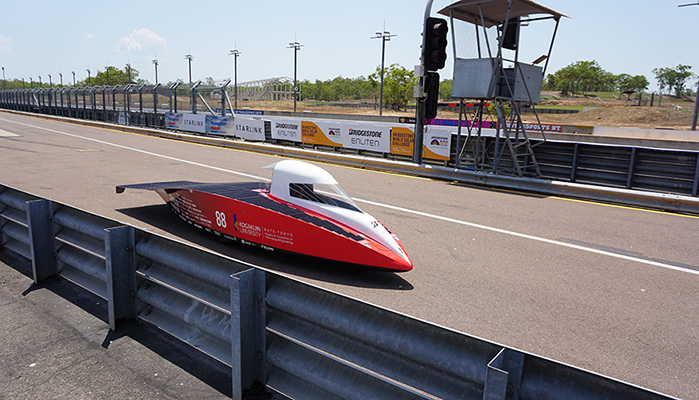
x,y
296,46
385,36
190,58
235,53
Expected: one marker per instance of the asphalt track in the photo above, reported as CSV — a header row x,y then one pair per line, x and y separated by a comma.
x,y
606,288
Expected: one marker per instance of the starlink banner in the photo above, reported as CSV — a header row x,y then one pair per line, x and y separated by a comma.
x,y
250,128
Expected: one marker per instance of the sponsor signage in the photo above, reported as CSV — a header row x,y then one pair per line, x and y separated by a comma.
x,y
367,136
173,120
286,129
322,132
436,144
218,125
402,140
250,128
194,122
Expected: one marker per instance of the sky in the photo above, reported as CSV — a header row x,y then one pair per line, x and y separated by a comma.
x,y
42,37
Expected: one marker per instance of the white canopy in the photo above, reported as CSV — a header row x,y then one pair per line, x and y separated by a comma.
x,y
495,11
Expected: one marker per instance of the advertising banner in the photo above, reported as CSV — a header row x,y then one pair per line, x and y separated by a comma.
x,y
402,140
367,136
219,125
286,129
194,122
322,132
173,120
437,143
249,128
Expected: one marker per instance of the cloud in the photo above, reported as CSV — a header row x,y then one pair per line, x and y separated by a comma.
x,y
141,40
90,36
5,45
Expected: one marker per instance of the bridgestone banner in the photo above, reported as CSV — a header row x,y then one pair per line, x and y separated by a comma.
x,y
286,129
367,136
249,128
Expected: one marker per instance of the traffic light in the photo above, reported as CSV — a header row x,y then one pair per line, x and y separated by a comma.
x,y
432,94
434,51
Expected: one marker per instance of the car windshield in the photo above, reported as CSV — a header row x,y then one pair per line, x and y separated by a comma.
x,y
323,193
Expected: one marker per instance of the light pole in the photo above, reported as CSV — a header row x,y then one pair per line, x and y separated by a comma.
x,y
4,81
696,102
128,71
31,83
189,57
107,68
89,79
385,36
235,53
50,83
73,72
40,84
60,74
296,46
155,63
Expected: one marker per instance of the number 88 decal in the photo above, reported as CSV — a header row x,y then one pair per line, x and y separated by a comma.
x,y
220,219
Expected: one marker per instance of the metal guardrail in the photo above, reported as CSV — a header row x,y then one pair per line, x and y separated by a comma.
x,y
299,340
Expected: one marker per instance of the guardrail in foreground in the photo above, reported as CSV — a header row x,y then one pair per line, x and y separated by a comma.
x,y
297,339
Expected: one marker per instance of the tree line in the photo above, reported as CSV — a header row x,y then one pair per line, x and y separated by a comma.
x,y
578,77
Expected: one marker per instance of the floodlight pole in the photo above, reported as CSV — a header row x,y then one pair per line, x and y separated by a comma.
x,y
89,78
235,53
189,57
4,81
73,72
385,36
296,46
155,63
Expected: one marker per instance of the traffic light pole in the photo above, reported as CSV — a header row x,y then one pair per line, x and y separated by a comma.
x,y
420,96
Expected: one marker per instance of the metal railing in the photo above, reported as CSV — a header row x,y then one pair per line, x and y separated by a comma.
x,y
630,167
299,340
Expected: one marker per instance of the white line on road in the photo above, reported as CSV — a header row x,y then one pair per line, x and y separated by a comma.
x,y
396,208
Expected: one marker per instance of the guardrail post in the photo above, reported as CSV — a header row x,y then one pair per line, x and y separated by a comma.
x,y
504,374
121,274
247,330
41,239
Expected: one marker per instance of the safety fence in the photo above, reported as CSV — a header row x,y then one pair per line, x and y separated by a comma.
x,y
616,166
299,340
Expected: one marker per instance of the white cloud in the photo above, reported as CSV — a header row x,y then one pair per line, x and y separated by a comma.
x,y
5,45
90,36
142,40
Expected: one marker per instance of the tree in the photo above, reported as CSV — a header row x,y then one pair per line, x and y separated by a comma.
x,y
673,78
626,82
398,84
116,76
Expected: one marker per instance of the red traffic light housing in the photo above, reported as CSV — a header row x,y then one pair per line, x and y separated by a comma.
x,y
434,50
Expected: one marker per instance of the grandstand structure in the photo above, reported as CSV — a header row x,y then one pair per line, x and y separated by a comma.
x,y
271,89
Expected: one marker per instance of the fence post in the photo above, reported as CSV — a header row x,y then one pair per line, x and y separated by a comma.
x,y
247,330
121,274
41,239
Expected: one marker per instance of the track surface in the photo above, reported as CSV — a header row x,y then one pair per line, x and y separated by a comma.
x,y
605,288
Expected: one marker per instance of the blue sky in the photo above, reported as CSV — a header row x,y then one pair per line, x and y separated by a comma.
x,y
42,37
